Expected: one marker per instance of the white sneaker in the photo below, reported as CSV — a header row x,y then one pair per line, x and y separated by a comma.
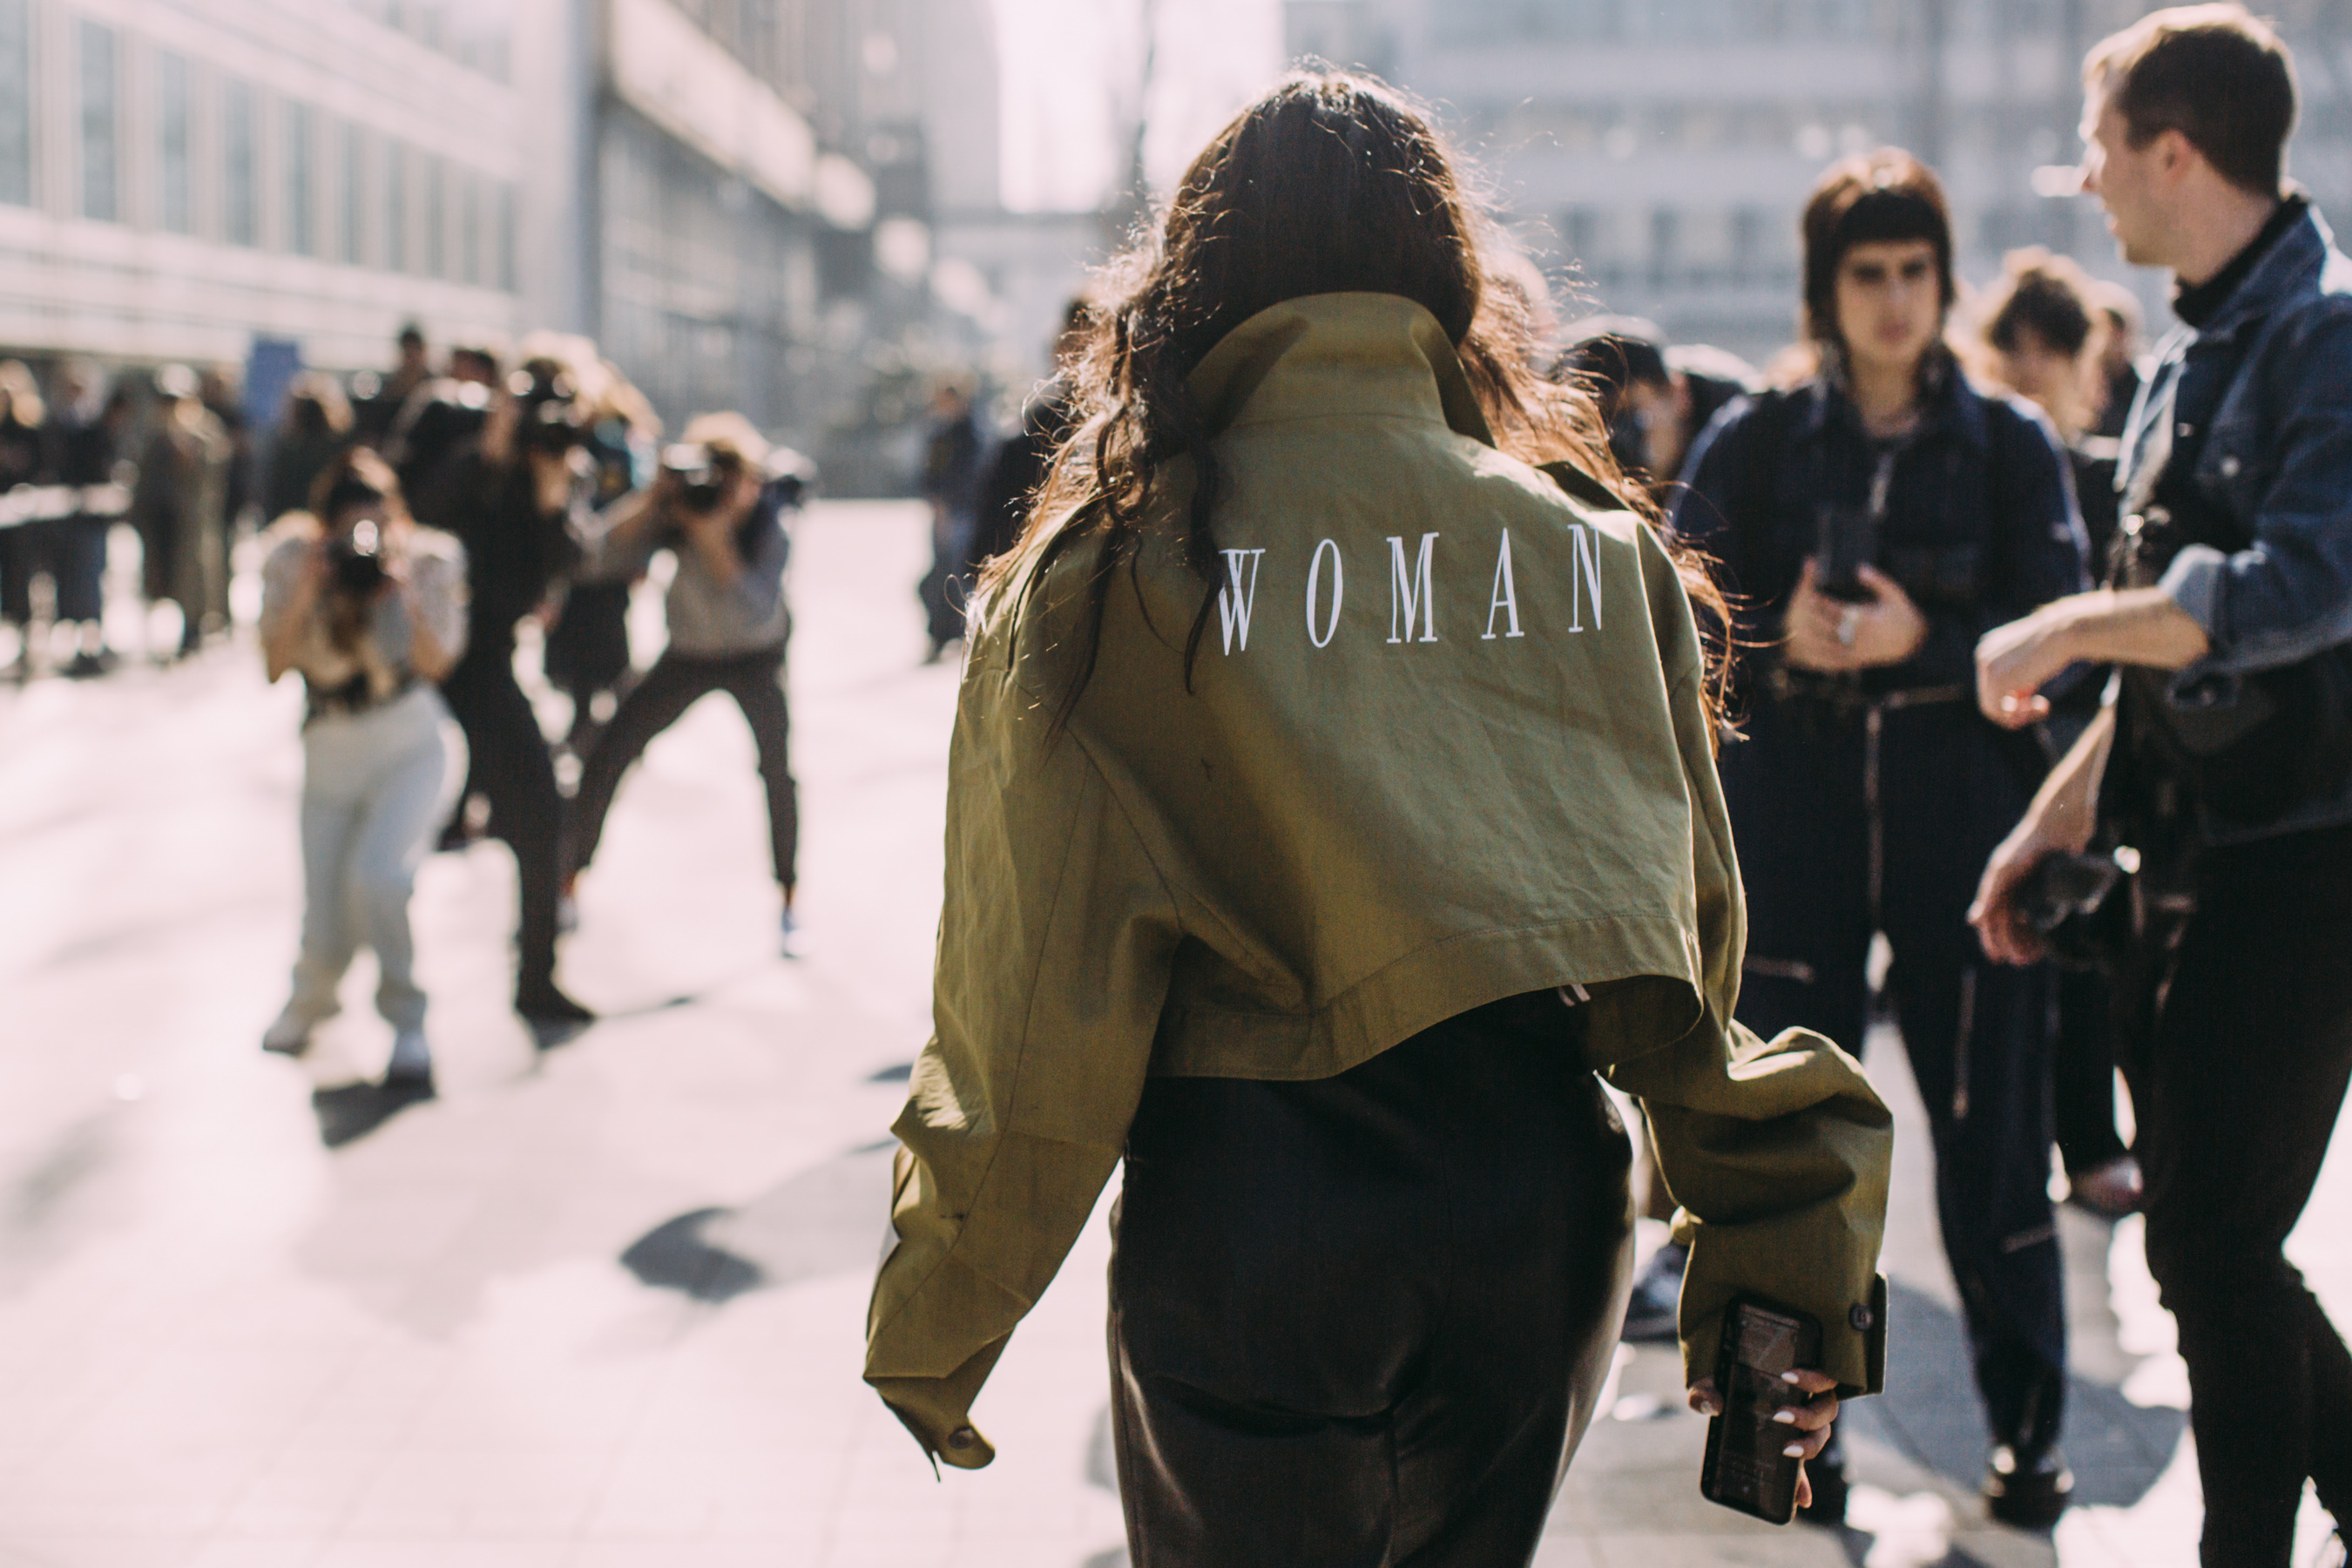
x,y
291,1035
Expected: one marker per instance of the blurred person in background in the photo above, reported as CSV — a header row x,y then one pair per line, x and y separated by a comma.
x,y
1299,922
1872,522
222,388
516,495
1016,472
720,506
2224,762
178,506
2040,334
377,400
313,432
369,609
587,654
952,454
442,416
1657,399
85,426
2119,355
27,546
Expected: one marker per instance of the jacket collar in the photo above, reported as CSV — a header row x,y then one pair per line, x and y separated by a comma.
x,y
1338,353
1951,404
2292,266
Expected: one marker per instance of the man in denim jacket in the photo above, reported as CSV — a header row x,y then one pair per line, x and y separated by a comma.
x,y
2238,465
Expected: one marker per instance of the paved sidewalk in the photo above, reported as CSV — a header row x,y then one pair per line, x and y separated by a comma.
x,y
603,1307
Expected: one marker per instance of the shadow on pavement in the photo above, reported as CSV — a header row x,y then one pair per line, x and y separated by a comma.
x,y
827,1219
1931,1414
350,1111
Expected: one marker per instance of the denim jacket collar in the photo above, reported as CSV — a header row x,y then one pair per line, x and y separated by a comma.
x,y
2292,268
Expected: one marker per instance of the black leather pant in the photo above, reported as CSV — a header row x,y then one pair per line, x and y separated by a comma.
x,y
2245,1078
1362,1322
509,763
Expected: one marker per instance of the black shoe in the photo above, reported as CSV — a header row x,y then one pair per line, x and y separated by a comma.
x,y
2027,1491
407,1087
554,1018
86,665
1652,1313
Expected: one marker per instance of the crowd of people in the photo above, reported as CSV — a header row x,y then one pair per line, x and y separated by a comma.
x,y
409,525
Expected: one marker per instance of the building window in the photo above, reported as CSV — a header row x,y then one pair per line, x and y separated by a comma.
x,y
301,228
17,102
240,183
174,173
352,208
506,236
395,208
100,165
469,230
436,219
1666,247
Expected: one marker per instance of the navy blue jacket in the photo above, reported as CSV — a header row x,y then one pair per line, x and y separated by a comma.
x,y
1980,524
2276,457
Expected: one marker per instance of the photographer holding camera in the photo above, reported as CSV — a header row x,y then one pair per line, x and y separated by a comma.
x,y
370,610
516,495
2218,775
718,507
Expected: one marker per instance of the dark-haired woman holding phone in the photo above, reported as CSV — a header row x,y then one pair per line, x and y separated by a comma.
x,y
1875,518
1332,800
370,609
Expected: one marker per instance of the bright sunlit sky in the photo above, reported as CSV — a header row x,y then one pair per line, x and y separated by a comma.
x,y
1072,70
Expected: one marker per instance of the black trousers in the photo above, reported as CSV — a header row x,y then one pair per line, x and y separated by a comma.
x,y
1362,1322
2244,1078
676,683
511,766
1848,825
2084,1072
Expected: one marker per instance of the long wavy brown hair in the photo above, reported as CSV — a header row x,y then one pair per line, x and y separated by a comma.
x,y
1332,182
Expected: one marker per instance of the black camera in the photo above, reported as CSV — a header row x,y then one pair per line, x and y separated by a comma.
x,y
704,474
355,562
547,410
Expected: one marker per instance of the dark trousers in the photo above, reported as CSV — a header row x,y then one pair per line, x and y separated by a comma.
x,y
72,551
1847,826
2084,1072
676,683
2244,1079
511,766
1362,1322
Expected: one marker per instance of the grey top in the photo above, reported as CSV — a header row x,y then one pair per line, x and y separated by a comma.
x,y
435,565
709,618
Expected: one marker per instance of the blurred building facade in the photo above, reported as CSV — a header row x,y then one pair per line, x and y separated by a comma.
x,y
177,180
1662,149
735,197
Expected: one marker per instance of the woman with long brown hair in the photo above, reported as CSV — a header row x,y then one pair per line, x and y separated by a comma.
x,y
1332,795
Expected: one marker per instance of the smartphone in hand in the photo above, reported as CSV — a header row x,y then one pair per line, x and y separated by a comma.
x,y
1746,1469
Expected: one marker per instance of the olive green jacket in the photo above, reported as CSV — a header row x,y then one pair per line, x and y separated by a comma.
x,y
1445,743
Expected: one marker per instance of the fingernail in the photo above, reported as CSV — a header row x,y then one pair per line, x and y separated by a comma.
x,y
1787,1377
1793,1451
1785,1417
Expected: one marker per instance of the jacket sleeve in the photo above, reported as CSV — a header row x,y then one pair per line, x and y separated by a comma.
x,y
1056,939
2037,550
1778,1153
1710,514
2288,594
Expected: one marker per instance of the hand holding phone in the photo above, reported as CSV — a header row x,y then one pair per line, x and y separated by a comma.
x,y
1772,1411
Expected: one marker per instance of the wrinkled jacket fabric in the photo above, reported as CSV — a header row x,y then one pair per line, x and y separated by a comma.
x,y
1445,743
2276,457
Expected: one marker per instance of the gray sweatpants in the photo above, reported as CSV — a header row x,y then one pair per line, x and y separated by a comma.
x,y
375,789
